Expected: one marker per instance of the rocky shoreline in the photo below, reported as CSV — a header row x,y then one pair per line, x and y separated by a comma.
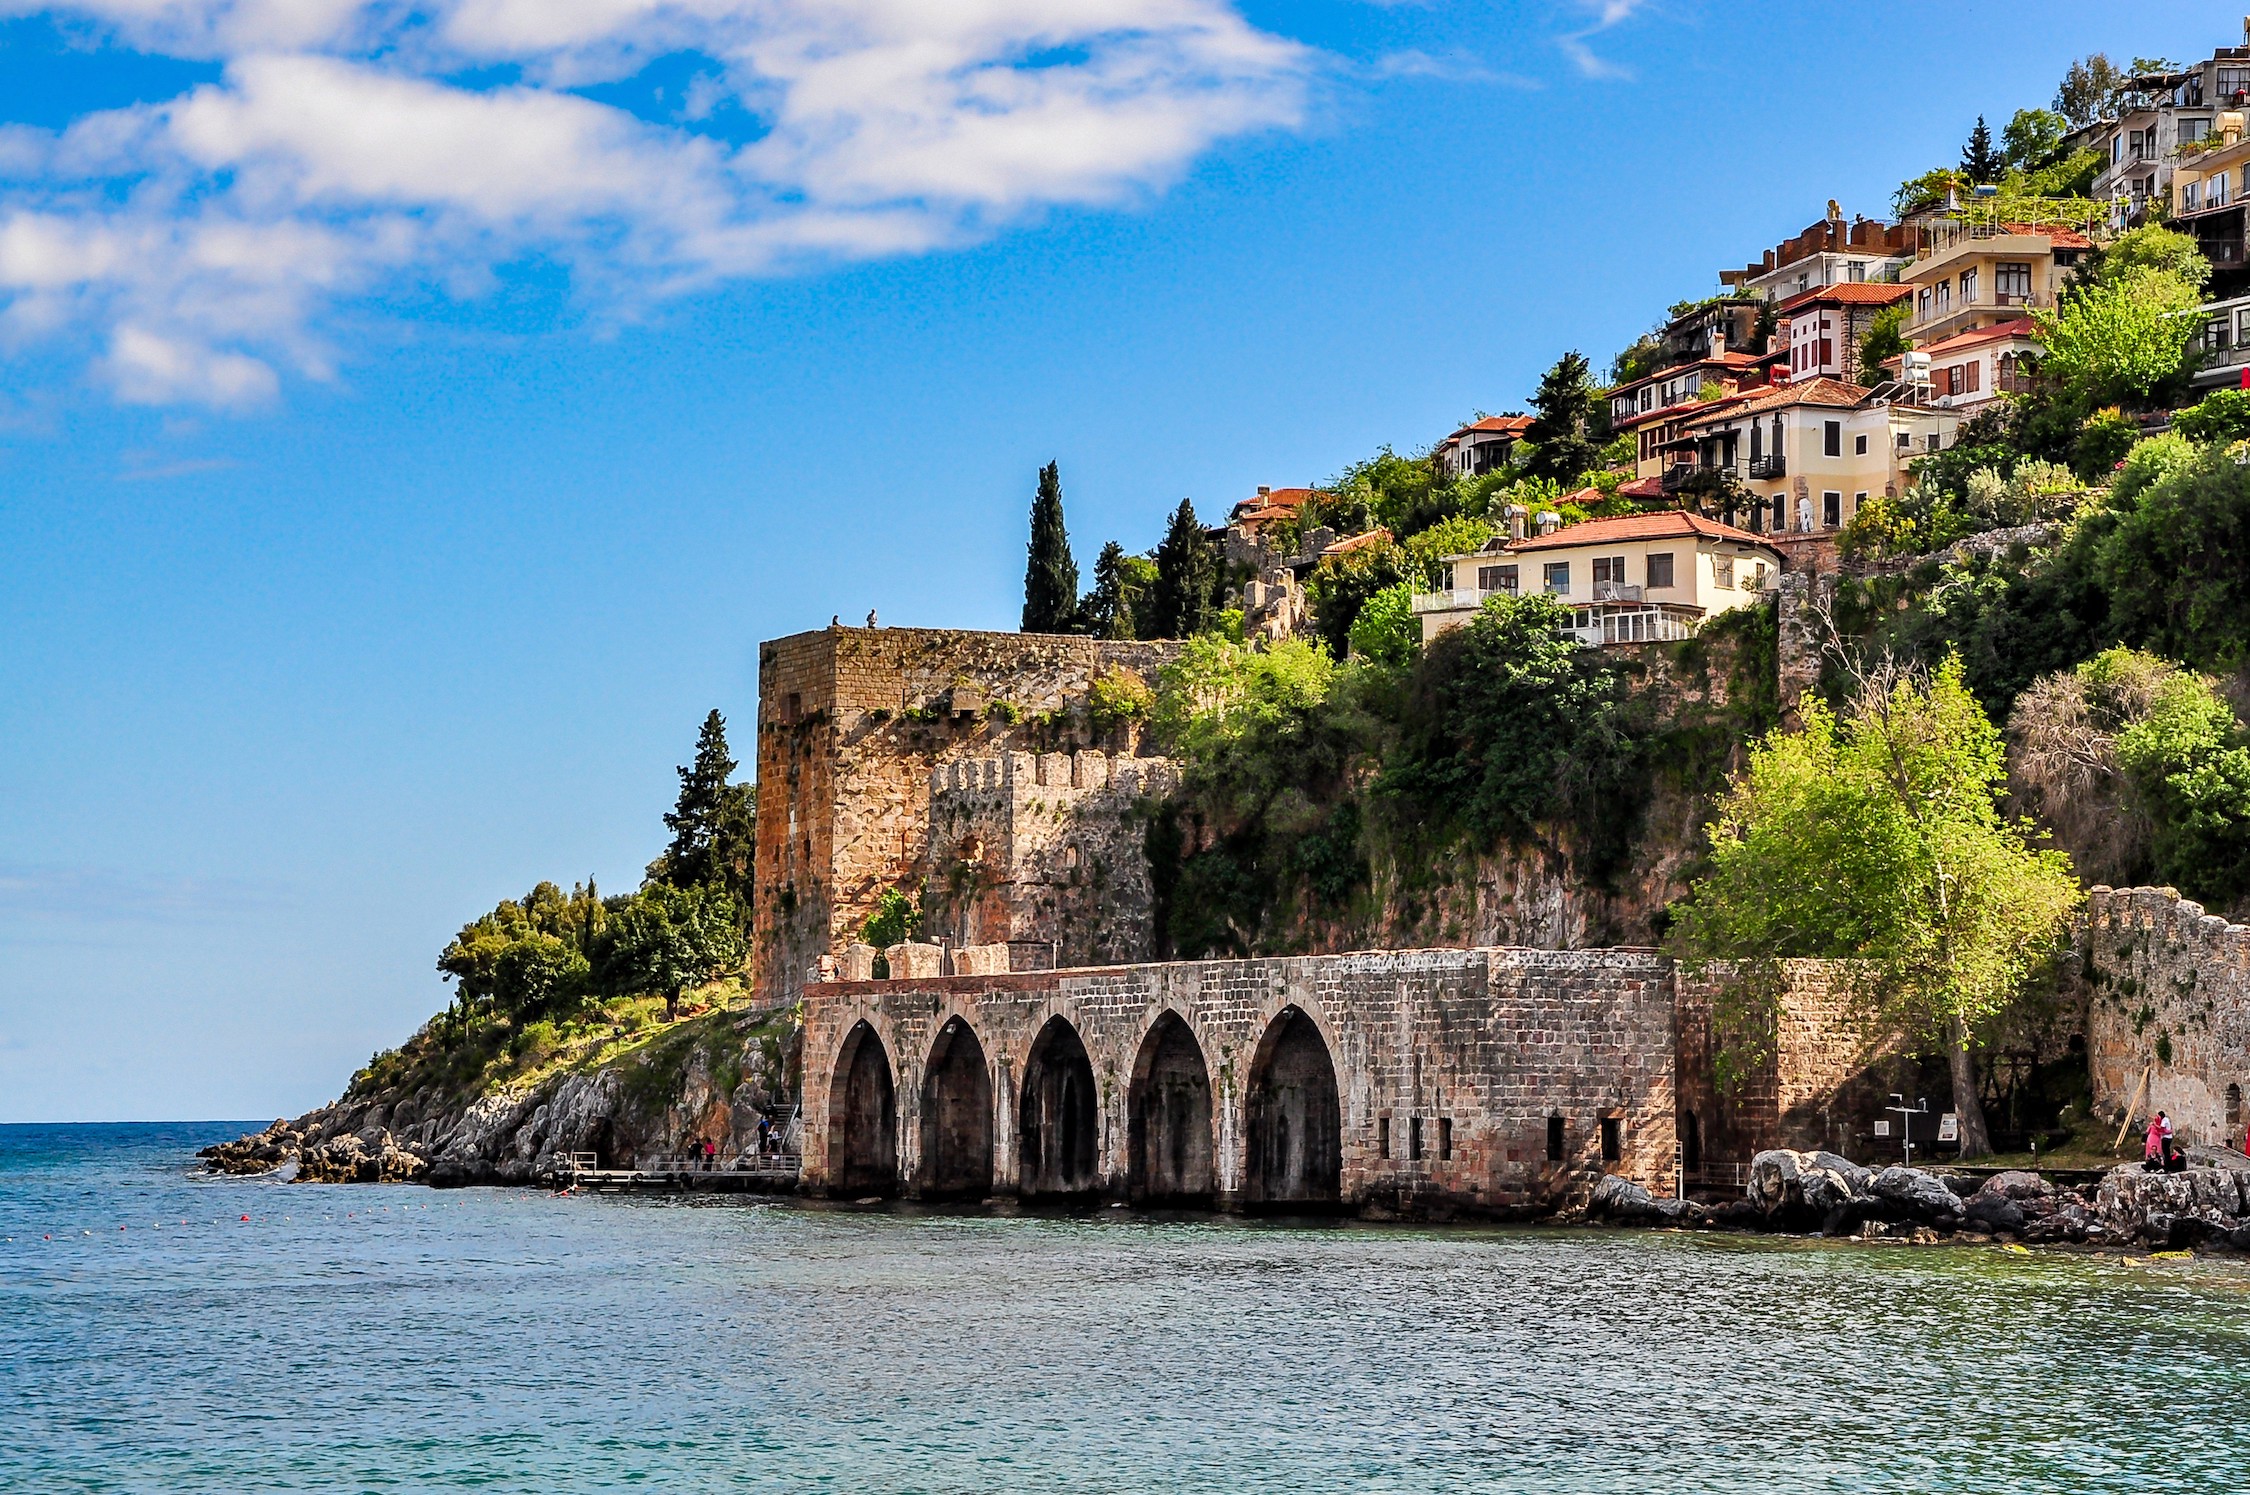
x,y
1821,1193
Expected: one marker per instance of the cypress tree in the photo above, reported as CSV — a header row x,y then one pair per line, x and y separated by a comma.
x,y
1187,574
1979,161
698,819
1107,611
1050,578
1561,430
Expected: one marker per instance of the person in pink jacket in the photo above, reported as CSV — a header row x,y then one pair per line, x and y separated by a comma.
x,y
2157,1127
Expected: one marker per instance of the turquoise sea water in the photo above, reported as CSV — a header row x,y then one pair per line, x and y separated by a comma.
x,y
362,1338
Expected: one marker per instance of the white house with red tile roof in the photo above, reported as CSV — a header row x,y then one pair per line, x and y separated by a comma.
x,y
1975,272
1822,329
1969,369
1636,579
1802,458
1482,446
1650,408
1269,506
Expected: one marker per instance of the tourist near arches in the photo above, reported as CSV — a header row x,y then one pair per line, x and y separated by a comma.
x,y
1059,1133
1169,1143
1293,1119
956,1158
863,1117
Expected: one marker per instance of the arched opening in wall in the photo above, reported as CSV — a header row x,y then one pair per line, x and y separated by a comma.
x,y
863,1118
1691,1141
2234,1113
956,1117
1061,1122
1168,1128
1294,1119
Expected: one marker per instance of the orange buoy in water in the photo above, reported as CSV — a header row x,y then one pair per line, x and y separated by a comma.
x,y
245,1219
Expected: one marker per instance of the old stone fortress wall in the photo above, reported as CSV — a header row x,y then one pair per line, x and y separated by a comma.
x,y
1028,1044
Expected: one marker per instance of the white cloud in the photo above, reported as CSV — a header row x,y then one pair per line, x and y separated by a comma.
x,y
206,241
1603,15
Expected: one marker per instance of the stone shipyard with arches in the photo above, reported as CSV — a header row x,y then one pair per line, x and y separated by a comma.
x,y
1028,1046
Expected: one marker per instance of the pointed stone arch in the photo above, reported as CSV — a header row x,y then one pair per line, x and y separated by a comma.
x,y
1168,1127
1293,1119
863,1117
956,1116
1060,1117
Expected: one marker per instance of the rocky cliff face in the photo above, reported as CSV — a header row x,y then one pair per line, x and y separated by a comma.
x,y
707,1080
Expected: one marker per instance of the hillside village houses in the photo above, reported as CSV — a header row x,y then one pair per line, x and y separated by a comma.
x,y
1641,578
1482,446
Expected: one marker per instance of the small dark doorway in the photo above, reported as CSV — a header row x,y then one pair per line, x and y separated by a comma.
x,y
1295,1121
1168,1127
863,1118
956,1117
1061,1125
1691,1141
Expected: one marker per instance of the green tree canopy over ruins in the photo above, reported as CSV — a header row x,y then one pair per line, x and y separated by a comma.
x,y
1874,835
714,822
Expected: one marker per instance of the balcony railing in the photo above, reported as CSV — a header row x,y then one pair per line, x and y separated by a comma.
x,y
1615,591
1452,600
1773,466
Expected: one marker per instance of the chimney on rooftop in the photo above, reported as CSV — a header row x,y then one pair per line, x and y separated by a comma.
x,y
1264,489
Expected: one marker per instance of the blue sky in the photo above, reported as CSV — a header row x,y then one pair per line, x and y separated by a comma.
x,y
411,418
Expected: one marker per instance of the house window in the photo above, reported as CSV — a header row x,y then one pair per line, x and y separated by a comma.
x,y
2191,194
1554,1139
1832,510
1497,579
1659,570
1445,1139
1859,446
1859,501
1973,373
1780,512
1827,353
1968,286
1832,438
1756,432
1923,304
1905,441
2192,130
1558,578
1722,572
1944,289
1855,270
1933,441
1613,1139
1414,1140
2216,189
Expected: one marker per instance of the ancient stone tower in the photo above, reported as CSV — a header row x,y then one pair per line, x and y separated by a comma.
x,y
853,724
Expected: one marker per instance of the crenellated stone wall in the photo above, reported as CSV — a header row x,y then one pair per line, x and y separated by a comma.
x,y
1045,851
852,723
2167,990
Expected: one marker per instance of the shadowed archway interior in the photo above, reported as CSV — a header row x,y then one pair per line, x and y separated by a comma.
x,y
1061,1121
1294,1118
863,1117
1169,1125
956,1117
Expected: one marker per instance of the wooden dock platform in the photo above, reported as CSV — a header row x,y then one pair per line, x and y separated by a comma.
x,y
768,1173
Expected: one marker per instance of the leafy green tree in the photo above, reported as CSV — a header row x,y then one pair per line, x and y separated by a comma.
x,y
664,939
1927,190
2223,416
1386,629
1877,838
1563,424
1050,580
1884,339
2173,564
1508,726
2033,139
2088,89
1119,602
526,959
2122,340
2188,760
1979,161
1341,584
2154,249
1187,574
714,822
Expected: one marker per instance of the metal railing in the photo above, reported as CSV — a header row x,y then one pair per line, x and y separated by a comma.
x,y
1773,466
1616,591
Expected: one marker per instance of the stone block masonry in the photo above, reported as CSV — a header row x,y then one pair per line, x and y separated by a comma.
x,y
2167,989
1489,1081
852,724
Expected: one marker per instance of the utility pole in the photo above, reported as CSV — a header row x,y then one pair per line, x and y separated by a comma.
x,y
1906,1114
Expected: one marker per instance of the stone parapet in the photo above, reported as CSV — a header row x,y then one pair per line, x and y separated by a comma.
x,y
2167,988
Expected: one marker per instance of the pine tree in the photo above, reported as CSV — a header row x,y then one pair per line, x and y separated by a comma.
x,y
1107,611
1561,430
1187,571
699,818
1979,161
1050,578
